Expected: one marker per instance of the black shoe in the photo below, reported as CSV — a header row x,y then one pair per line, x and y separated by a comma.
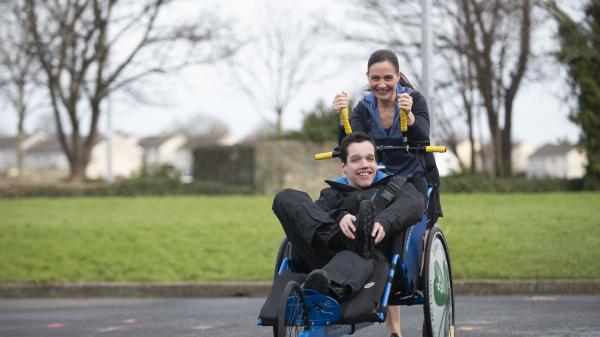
x,y
364,242
317,280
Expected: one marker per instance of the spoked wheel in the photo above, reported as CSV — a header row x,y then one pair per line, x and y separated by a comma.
x,y
437,288
293,313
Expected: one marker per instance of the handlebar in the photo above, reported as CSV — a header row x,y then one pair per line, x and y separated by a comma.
x,y
408,148
345,121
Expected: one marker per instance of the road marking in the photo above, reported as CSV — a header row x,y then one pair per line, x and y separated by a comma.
x,y
203,327
466,328
109,329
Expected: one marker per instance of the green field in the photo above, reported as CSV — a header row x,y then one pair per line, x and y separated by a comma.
x,y
200,238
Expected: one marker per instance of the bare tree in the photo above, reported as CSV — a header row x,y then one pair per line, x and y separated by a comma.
x,y
459,79
482,50
392,24
498,45
395,25
89,49
279,60
18,67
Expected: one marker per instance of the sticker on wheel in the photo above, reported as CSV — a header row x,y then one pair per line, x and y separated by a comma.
x,y
440,298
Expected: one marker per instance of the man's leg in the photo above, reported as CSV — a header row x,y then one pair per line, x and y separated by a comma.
x,y
300,219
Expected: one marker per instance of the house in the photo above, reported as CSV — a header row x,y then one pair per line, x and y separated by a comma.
x,y
162,150
47,159
8,151
127,156
484,156
521,152
447,163
558,161
46,155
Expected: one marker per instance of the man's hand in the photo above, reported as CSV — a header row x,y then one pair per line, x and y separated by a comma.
x,y
347,225
378,232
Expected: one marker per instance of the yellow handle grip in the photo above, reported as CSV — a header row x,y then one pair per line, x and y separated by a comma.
x,y
403,120
440,149
324,155
345,121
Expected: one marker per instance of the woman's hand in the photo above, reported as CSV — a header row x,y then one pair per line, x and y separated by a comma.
x,y
405,102
378,232
340,101
347,225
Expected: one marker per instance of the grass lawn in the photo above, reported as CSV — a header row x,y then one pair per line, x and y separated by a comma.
x,y
201,238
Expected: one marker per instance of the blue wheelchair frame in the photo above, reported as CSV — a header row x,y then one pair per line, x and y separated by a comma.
x,y
322,324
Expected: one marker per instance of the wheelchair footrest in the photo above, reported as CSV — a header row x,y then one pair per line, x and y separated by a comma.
x,y
322,310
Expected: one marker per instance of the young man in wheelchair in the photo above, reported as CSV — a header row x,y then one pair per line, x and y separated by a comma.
x,y
338,237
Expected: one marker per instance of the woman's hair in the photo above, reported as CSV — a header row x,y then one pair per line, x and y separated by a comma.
x,y
382,55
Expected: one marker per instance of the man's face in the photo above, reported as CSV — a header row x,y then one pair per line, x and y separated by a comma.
x,y
361,164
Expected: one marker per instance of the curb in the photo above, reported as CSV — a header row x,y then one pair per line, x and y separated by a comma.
x,y
261,289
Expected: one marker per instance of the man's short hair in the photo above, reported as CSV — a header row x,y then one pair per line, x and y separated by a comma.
x,y
354,137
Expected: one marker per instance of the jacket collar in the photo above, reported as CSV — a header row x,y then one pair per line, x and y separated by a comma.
x,y
343,185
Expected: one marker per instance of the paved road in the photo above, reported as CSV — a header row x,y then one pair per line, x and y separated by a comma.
x,y
573,316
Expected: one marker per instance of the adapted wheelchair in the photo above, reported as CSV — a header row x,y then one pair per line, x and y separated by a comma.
x,y
419,272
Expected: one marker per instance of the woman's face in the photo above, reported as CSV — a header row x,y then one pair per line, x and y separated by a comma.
x,y
383,78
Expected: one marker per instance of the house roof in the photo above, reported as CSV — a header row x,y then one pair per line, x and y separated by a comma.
x,y
198,141
553,150
52,145
48,145
9,143
154,141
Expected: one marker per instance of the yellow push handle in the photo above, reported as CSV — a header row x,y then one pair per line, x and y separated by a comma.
x,y
440,149
403,121
324,155
345,121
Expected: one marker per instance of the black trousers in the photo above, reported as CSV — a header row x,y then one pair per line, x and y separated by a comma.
x,y
318,243
307,226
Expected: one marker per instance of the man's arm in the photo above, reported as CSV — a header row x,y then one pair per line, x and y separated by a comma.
x,y
403,212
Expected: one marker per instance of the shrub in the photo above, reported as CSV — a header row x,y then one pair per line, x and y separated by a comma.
x,y
464,183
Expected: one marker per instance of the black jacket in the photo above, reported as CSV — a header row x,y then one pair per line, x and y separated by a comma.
x,y
404,211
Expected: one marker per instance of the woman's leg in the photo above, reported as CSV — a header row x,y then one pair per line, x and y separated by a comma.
x,y
393,320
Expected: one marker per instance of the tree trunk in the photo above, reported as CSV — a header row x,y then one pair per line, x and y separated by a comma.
x,y
278,122
506,153
21,130
77,173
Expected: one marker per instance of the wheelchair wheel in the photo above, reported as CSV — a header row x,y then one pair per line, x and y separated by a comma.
x,y
293,312
437,287
285,250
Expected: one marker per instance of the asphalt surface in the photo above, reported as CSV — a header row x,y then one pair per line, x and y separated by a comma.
x,y
547,316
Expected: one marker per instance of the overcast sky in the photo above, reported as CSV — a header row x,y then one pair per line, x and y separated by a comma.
x,y
540,111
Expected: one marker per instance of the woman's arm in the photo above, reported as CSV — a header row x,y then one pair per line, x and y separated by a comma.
x,y
419,131
358,121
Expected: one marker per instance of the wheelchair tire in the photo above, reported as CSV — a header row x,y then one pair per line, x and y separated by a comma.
x,y
285,250
437,287
292,316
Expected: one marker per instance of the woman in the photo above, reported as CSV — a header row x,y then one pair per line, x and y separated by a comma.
x,y
377,115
